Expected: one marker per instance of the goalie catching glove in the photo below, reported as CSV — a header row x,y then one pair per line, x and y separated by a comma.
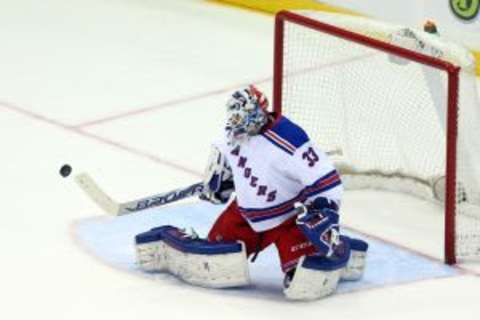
x,y
218,179
319,223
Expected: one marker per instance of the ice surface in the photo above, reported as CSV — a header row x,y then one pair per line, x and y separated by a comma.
x,y
111,240
65,64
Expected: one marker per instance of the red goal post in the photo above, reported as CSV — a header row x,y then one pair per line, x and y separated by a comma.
x,y
306,81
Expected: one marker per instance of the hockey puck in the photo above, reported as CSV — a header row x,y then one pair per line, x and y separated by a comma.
x,y
65,170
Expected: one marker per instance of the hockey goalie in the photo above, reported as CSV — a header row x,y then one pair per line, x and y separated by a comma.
x,y
281,189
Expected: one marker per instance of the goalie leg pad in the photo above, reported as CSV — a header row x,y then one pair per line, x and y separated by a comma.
x,y
316,277
356,264
196,261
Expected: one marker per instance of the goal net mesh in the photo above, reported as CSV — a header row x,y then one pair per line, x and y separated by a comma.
x,y
385,117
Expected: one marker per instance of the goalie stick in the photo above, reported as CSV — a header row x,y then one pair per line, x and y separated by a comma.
x,y
104,201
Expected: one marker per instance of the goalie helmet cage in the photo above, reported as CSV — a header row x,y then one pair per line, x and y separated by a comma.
x,y
400,110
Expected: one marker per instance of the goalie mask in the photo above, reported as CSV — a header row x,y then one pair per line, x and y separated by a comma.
x,y
246,113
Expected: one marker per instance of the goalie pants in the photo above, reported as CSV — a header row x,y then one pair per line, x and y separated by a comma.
x,y
290,241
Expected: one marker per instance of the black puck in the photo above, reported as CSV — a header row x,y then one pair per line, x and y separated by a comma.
x,y
65,170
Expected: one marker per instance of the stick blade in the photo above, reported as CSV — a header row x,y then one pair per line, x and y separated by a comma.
x,y
93,191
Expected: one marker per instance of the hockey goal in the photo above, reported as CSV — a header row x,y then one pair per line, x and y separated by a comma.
x,y
399,105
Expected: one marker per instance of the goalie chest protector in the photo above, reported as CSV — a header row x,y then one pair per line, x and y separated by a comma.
x,y
275,169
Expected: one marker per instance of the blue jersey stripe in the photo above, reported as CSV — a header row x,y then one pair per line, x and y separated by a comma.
x,y
268,217
325,183
290,132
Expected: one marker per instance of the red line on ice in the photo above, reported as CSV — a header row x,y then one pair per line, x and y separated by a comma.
x,y
175,102
166,104
97,138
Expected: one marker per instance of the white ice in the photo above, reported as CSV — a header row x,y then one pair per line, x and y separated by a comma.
x,y
110,240
132,91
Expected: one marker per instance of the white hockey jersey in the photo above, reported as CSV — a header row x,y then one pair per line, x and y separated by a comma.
x,y
277,168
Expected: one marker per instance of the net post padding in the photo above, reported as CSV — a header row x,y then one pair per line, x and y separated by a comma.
x,y
451,167
278,63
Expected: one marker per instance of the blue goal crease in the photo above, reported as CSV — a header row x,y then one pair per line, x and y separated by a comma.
x,y
111,240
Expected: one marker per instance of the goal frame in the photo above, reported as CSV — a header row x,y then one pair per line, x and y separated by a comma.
x,y
452,104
